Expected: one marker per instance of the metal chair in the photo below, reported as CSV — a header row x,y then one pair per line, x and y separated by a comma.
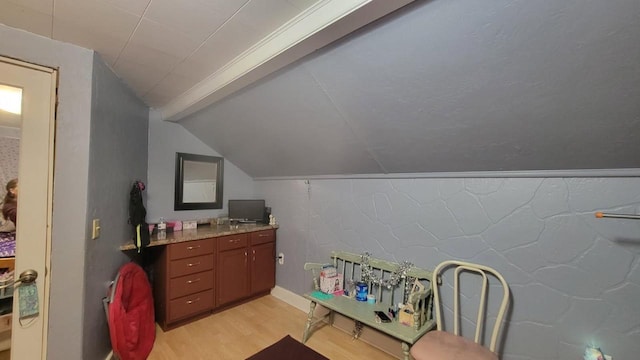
x,y
443,345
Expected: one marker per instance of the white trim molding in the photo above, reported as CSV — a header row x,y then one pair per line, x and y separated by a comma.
x,y
291,298
321,24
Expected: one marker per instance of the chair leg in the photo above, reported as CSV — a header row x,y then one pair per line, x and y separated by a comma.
x,y
405,351
307,327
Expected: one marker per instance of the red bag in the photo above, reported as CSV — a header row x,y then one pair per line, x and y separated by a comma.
x,y
131,315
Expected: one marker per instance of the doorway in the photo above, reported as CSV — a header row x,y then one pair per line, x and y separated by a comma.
x,y
31,122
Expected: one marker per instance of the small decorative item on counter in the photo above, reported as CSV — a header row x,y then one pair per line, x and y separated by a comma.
x,y
177,225
371,299
272,220
189,224
162,229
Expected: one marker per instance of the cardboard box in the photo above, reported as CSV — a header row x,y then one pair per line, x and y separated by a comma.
x,y
331,284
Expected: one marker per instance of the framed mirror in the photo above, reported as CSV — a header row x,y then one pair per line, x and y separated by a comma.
x,y
198,182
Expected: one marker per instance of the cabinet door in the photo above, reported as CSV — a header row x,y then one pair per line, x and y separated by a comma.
x,y
233,275
263,267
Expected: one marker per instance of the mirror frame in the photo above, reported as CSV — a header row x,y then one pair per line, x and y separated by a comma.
x,y
179,204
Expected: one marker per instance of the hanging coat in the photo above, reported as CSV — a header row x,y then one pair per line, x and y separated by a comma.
x,y
137,216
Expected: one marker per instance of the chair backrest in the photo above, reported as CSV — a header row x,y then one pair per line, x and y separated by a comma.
x,y
481,271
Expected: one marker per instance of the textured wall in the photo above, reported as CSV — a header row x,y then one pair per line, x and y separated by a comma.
x,y
575,279
165,140
118,156
70,181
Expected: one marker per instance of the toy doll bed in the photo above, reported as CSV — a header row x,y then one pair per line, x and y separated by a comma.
x,y
7,250
7,265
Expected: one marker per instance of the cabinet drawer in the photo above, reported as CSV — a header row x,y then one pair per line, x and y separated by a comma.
x,y
232,242
190,265
5,322
190,248
190,305
190,284
261,237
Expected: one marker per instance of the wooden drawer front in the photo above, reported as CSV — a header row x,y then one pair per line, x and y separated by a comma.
x,y
261,237
190,284
190,248
232,242
190,305
5,322
192,265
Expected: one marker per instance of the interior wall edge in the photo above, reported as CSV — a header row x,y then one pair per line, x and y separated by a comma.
x,y
586,173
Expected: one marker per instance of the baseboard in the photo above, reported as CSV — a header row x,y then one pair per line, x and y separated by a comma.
x,y
291,298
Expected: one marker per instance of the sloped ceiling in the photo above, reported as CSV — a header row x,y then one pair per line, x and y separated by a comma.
x,y
447,86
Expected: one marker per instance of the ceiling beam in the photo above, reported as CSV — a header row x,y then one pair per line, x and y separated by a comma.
x,y
318,26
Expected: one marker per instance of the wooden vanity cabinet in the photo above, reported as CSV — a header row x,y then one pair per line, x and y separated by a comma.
x,y
232,268
245,266
263,261
194,278
183,282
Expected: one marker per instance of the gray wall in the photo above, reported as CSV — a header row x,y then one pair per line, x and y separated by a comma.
x,y
69,230
117,157
167,138
575,279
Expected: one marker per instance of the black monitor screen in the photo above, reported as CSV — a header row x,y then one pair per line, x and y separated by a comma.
x,y
246,210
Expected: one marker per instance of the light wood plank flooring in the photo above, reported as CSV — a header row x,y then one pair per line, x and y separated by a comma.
x,y
240,332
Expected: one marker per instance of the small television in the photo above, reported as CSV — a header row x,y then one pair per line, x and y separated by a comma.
x,y
246,210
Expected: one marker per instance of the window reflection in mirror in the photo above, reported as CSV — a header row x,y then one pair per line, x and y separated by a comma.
x,y
198,182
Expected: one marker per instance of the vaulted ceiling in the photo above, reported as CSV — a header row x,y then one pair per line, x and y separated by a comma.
x,y
179,56
277,88
448,86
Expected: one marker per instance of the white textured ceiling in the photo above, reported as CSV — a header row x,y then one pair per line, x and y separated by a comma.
x,y
180,56
161,48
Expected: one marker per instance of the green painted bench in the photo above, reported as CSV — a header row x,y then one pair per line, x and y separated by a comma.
x,y
349,265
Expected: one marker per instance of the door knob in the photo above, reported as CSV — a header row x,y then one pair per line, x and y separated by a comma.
x,y
26,277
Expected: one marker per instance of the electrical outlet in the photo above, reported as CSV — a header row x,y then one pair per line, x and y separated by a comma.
x,y
95,229
281,258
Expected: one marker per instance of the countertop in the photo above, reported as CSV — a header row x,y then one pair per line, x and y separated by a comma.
x,y
202,232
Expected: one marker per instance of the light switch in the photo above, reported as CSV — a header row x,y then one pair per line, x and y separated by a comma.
x,y
95,229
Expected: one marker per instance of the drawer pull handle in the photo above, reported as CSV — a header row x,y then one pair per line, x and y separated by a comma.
x,y
193,281
234,240
192,301
193,247
263,235
194,264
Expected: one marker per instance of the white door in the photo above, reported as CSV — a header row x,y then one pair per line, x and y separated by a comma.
x,y
35,180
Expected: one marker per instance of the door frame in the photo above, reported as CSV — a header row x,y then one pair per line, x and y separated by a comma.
x,y
19,343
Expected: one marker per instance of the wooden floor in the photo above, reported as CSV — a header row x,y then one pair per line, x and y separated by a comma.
x,y
240,332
